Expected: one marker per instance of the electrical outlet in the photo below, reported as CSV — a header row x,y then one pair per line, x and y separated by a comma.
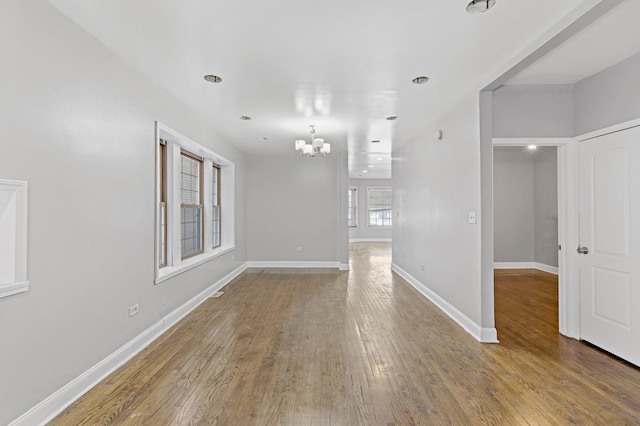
x,y
298,248
133,310
422,267
472,217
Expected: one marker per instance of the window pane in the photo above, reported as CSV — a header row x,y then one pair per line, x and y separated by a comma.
x,y
215,208
216,226
162,235
352,207
379,207
191,227
190,178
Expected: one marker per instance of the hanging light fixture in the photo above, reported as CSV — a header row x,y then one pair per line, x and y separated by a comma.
x,y
315,147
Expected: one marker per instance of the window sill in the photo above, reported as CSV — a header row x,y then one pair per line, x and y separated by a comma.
x,y
171,271
13,288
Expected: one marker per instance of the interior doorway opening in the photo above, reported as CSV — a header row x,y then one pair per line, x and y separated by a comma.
x,y
528,214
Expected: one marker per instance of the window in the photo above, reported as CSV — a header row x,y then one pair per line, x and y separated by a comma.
x,y
194,204
215,206
191,210
13,237
352,213
379,207
162,207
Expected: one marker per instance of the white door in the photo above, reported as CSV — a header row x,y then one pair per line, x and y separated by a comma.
x,y
609,230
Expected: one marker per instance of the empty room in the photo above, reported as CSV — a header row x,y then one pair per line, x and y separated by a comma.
x,y
307,213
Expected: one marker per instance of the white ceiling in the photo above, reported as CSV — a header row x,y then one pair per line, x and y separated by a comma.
x,y
341,65
607,41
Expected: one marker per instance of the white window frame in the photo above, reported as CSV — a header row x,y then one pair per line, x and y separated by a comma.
x,y
176,143
369,189
13,237
354,200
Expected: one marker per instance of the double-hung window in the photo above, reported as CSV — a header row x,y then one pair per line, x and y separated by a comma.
x,y
162,207
195,204
215,207
379,207
352,207
191,211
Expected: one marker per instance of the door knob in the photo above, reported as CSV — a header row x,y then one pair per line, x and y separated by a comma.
x,y
583,250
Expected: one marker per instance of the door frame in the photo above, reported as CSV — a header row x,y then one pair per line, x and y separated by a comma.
x,y
568,218
568,311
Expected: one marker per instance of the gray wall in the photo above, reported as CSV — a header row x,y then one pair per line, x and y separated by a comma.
x,y
436,184
525,201
362,231
295,201
78,125
533,111
513,205
604,99
545,195
609,97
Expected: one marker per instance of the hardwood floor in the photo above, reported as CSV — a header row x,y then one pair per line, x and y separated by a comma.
x,y
322,347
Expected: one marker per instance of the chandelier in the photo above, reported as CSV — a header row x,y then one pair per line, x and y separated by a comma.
x,y
314,147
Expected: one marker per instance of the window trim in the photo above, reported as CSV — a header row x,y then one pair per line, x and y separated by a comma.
x,y
354,199
176,143
378,188
15,209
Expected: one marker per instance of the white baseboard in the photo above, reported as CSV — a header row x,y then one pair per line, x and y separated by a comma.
x,y
370,240
291,264
547,268
484,335
344,267
65,396
526,265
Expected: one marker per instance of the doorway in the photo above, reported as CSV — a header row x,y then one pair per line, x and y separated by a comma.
x,y
525,208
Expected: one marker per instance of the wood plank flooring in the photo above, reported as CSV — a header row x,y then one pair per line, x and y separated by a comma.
x,y
322,347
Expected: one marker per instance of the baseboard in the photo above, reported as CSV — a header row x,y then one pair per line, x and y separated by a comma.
x,y
484,335
526,265
65,396
370,240
547,268
343,267
291,264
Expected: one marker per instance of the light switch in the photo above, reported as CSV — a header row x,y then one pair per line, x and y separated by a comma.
x,y
472,217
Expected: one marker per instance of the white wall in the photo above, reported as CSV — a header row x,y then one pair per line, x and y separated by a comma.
x,y
294,201
78,125
362,231
609,97
436,184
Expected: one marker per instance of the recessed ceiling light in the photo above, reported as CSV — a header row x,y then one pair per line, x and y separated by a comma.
x,y
480,6
420,80
379,158
392,117
365,171
244,117
212,78
532,147
370,166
